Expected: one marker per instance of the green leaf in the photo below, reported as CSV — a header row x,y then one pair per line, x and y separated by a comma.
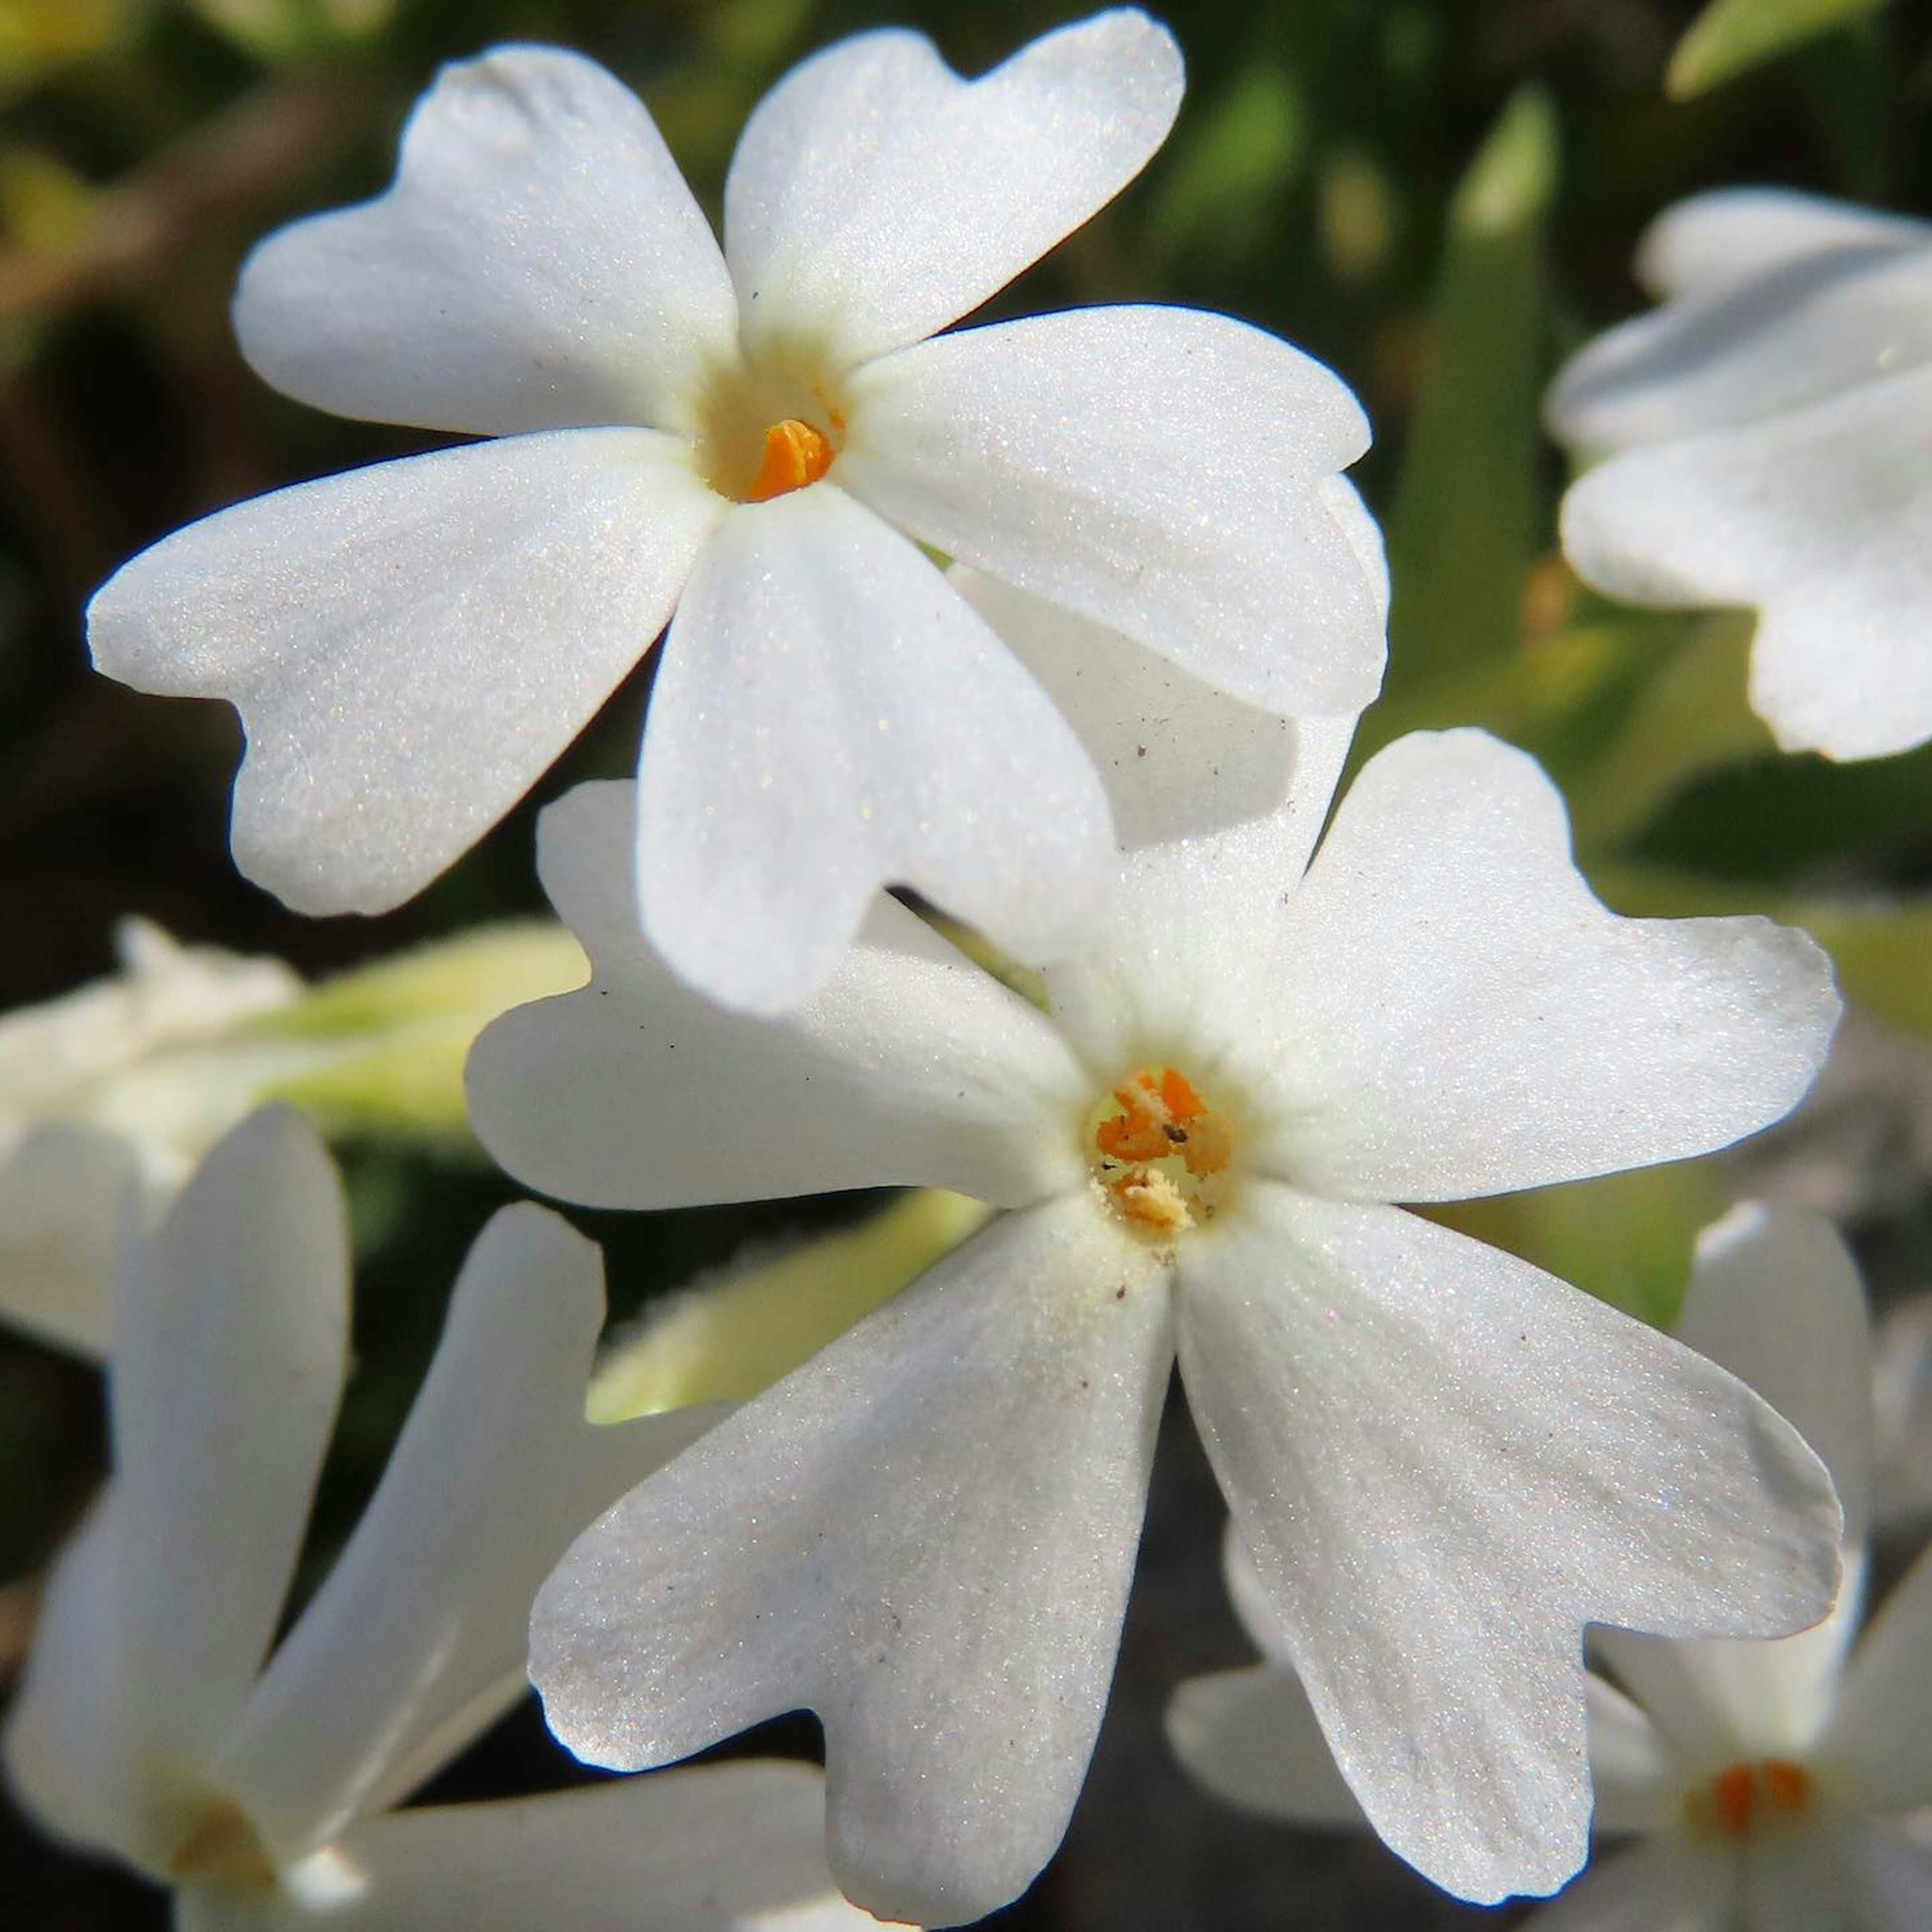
x,y
725,1339
1463,532
1730,37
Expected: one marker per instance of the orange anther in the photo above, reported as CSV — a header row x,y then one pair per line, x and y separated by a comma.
x,y
1734,1796
1182,1103
795,454
1787,1786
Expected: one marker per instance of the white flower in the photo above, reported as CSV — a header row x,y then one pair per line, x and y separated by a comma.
x,y
1769,434
110,1096
1766,1779
149,1726
758,441
1446,1461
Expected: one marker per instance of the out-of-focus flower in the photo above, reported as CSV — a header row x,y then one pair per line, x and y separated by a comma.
x,y
1768,1780
1446,1461
110,1096
149,1726
1769,438
751,444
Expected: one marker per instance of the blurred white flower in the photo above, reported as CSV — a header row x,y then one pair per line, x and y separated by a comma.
x,y
149,1726
1447,1461
751,444
1768,1780
1769,438
110,1095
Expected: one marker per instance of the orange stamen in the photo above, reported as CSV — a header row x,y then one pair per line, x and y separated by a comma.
x,y
1744,1797
795,454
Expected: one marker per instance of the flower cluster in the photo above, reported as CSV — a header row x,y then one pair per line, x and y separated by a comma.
x,y
1061,628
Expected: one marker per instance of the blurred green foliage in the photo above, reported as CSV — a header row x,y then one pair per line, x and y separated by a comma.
x,y
1438,197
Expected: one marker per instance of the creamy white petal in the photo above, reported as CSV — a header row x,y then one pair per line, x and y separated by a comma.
x,y
1816,517
1654,1887
875,196
1731,233
68,1746
1177,756
1161,471
1775,1298
1806,330
830,717
1633,1774
1457,1014
909,1065
408,645
537,264
1881,1730
926,1535
1250,1738
1845,1874
230,1346
68,1196
427,1610
729,1845
1445,1463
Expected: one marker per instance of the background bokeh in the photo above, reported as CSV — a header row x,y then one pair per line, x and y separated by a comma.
x,y
1437,197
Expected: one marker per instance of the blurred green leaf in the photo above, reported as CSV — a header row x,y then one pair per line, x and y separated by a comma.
x,y
38,36
1218,197
1730,37
1463,531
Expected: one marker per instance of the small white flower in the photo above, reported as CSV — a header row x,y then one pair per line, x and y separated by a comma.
x,y
1769,434
1447,1462
751,444
1767,1779
149,1726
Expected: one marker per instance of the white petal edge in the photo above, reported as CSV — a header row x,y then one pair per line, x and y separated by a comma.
x,y
408,645
69,1196
231,1341
1730,234
426,1611
830,717
1164,472
925,1535
537,264
1655,1887
910,1066
1444,1463
1249,1738
1880,1735
876,197
1814,517
1456,1014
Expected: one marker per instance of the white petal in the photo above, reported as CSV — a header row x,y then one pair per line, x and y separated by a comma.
x,y
910,1066
1647,1888
230,1345
875,196
1249,1737
68,1196
408,645
1817,518
1805,330
538,264
1633,1773
1458,1016
426,1611
926,1535
1845,1874
1732,233
1177,758
1445,1463
69,1747
830,717
1161,471
737,1845
1881,1731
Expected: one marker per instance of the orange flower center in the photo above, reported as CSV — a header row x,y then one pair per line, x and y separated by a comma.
x,y
795,454
1159,1153
764,431
1747,1798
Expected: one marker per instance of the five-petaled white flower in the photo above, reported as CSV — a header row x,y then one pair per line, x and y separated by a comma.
x,y
1767,432
148,1726
1768,1779
1446,1462
758,440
